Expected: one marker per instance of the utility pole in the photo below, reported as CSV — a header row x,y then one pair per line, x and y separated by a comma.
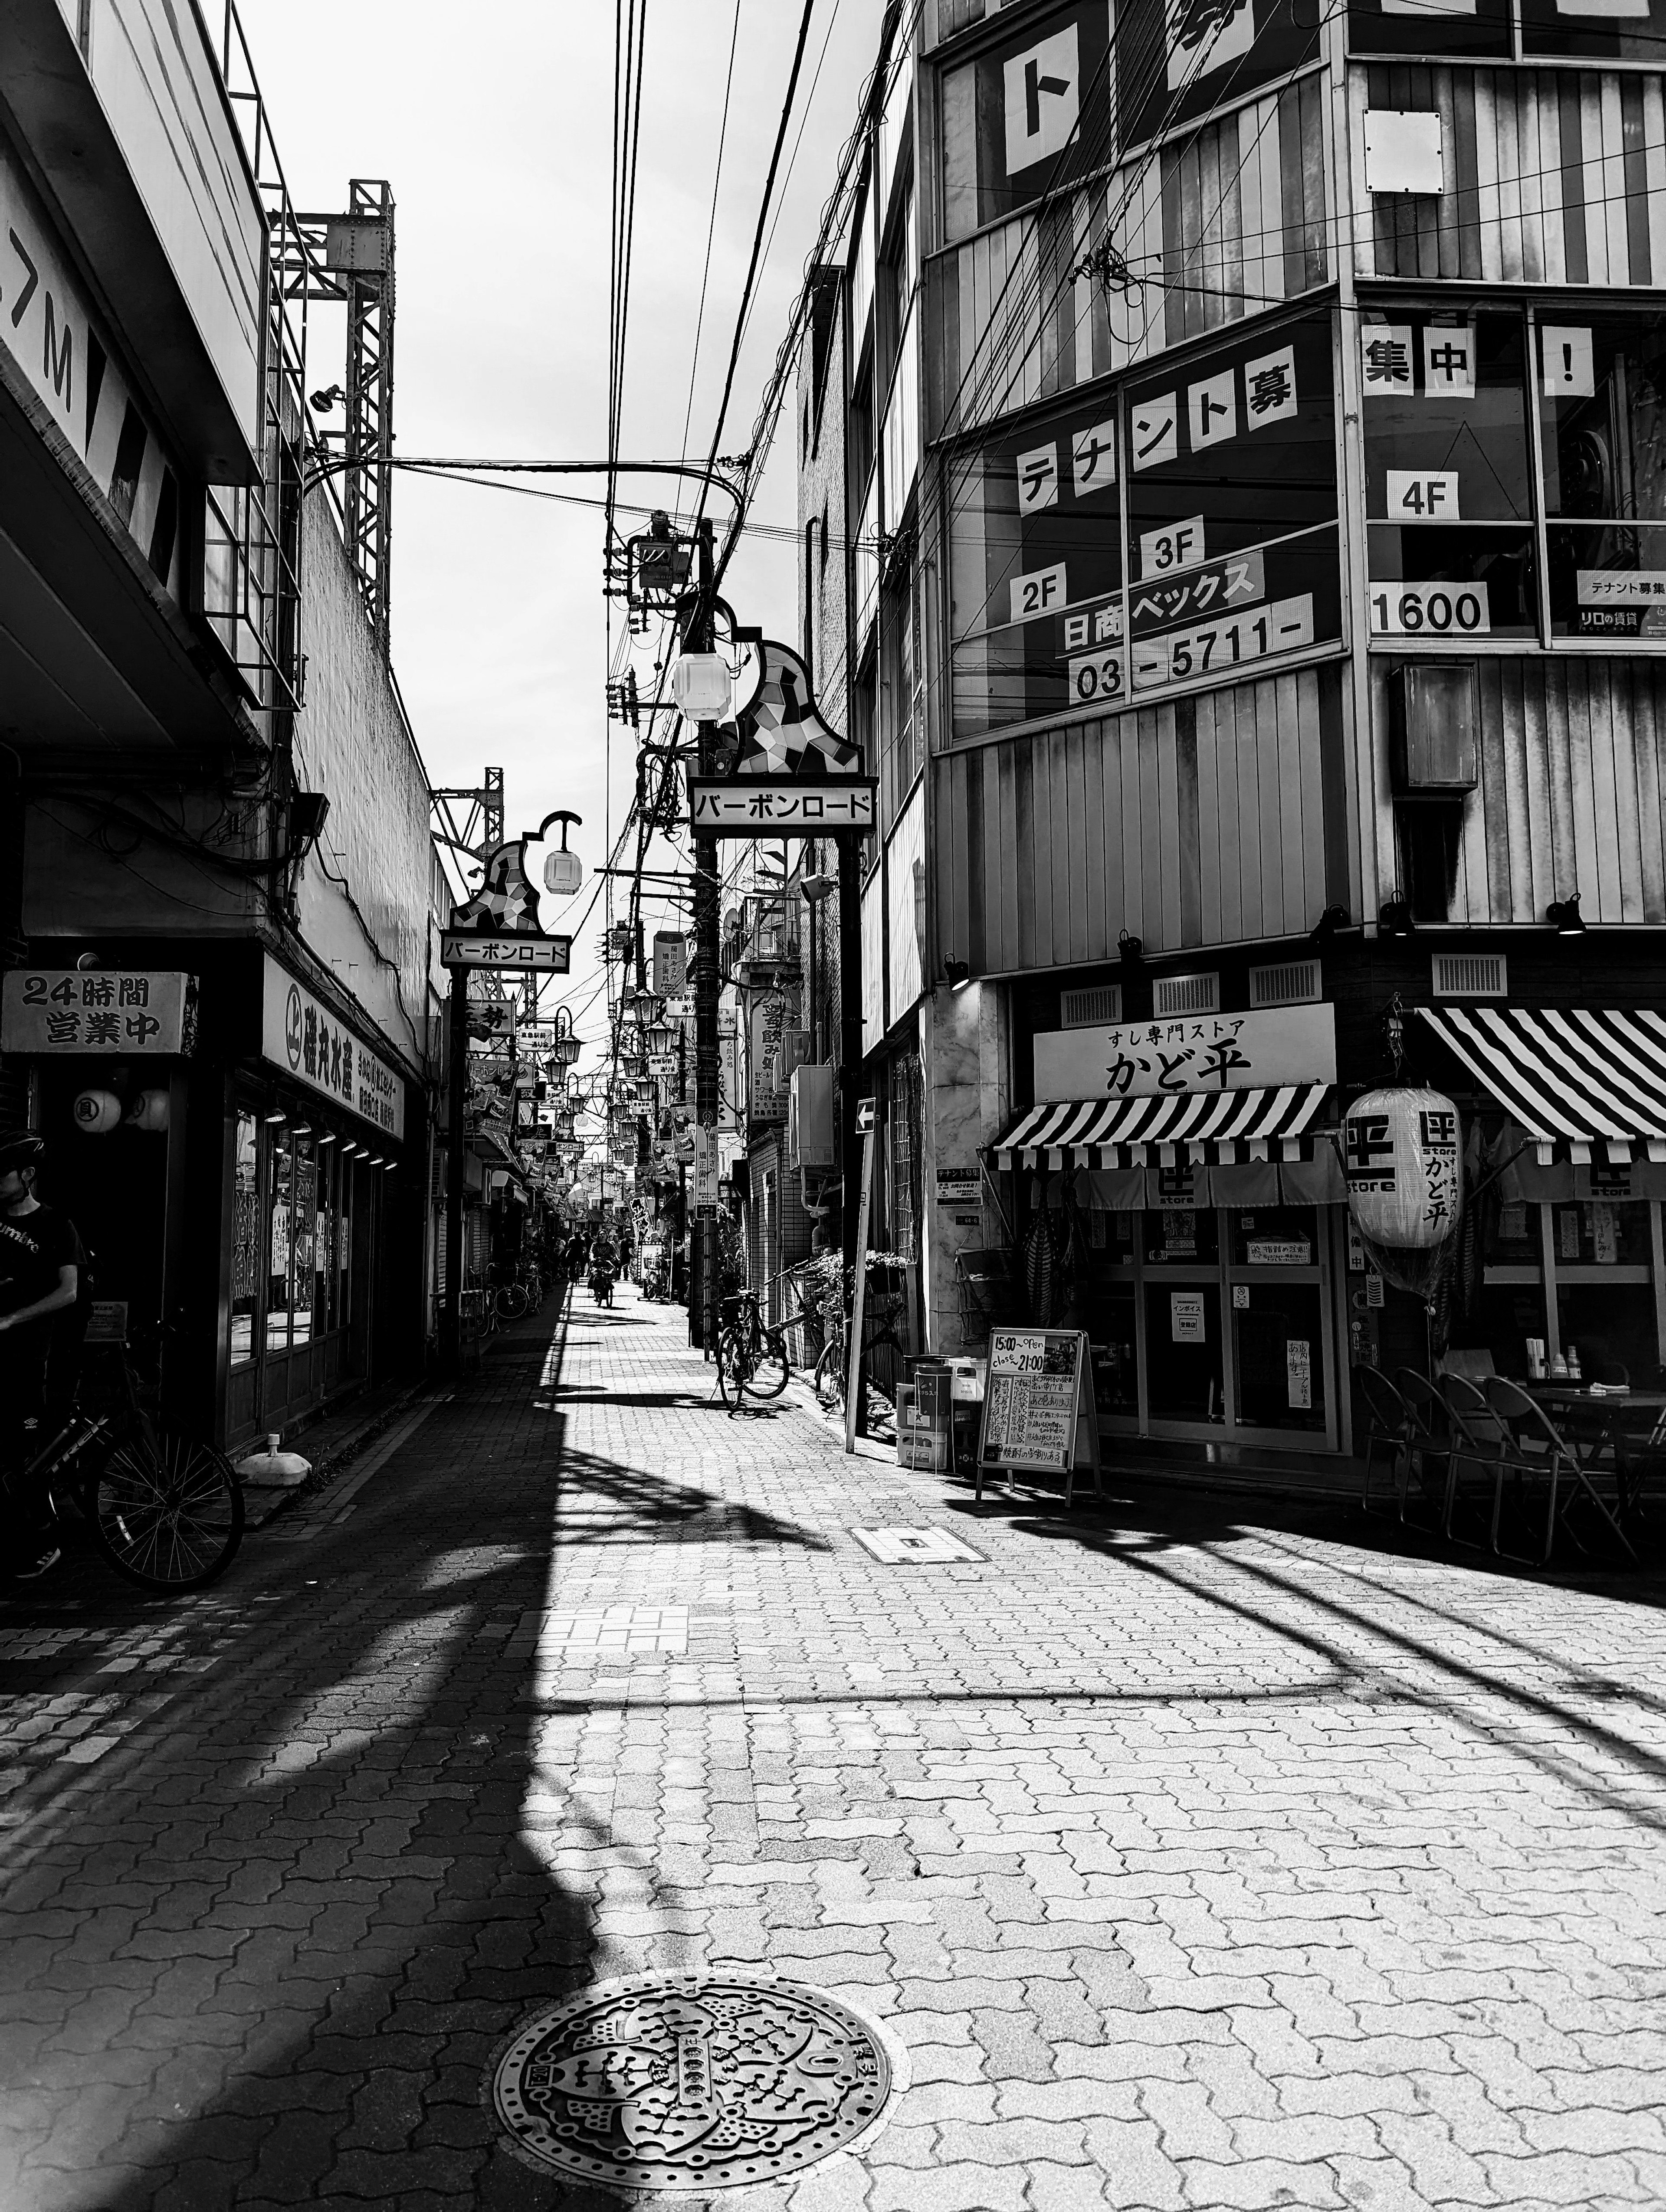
x,y
451,1338
700,637
850,1062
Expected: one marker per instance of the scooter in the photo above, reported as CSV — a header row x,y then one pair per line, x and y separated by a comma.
x,y
601,1287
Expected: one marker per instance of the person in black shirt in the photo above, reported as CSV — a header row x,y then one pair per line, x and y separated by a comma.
x,y
42,1269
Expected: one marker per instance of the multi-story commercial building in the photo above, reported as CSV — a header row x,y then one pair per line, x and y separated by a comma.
x,y
218,877
1232,483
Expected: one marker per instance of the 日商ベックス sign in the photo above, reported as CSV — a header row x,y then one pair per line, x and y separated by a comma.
x,y
122,1013
307,1040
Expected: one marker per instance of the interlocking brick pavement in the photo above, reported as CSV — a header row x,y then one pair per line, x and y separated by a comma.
x,y
1196,1855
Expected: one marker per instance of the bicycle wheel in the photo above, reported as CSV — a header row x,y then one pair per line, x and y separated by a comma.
x,y
511,1301
771,1365
734,1364
166,1510
830,1377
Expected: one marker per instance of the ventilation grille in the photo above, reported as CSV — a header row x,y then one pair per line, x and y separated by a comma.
x,y
1291,983
1086,1009
1471,976
1186,995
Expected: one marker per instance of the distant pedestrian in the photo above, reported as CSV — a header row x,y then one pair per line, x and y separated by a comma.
x,y
43,1270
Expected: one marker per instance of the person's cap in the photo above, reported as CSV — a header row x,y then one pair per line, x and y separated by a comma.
x,y
19,1149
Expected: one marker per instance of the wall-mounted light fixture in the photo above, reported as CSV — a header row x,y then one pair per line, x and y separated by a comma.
x,y
1333,918
957,975
1394,917
1564,916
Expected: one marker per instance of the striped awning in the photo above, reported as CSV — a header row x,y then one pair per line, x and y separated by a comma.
x,y
1570,1079
1181,1127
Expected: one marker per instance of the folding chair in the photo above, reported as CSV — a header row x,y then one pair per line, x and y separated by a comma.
x,y
1432,1438
1535,1446
1479,1439
1389,1421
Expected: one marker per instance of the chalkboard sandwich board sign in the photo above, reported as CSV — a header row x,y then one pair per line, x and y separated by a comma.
x,y
1038,1411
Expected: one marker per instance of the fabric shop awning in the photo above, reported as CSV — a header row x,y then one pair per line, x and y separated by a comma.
x,y
1215,1125
1571,1078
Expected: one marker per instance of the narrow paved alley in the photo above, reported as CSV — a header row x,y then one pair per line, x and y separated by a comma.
x,y
1190,1851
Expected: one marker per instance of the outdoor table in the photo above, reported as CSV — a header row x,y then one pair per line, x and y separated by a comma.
x,y
1609,1420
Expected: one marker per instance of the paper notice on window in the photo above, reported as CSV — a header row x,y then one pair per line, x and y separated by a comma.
x,y
1567,1228
1605,1234
1299,1372
1186,1317
1512,1224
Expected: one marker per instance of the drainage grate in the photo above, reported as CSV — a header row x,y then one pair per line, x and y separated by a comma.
x,y
926,1547
689,2082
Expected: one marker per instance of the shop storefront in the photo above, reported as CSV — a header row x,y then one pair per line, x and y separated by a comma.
x,y
1571,1106
316,1126
1196,1232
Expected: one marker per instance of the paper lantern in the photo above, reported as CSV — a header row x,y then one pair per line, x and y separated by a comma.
x,y
96,1112
149,1110
1403,1156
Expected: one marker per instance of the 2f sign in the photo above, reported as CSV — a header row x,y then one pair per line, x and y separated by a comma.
x,y
1423,496
1040,593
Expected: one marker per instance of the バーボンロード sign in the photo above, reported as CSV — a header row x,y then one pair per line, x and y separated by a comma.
x,y
462,948
782,806
310,1042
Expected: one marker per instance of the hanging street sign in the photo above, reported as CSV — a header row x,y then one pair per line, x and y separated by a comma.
x,y
795,775
782,806
464,949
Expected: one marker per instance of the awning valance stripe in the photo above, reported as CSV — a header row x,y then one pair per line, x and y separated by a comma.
x,y
1118,1132
1581,1073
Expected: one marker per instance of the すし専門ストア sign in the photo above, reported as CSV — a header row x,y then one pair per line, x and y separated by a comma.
x,y
1192,1052
307,1039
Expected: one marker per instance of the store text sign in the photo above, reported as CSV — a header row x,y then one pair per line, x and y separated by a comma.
x,y
303,1036
782,806
464,949
1192,1052
120,1013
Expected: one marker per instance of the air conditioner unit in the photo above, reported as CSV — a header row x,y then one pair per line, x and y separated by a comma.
x,y
810,1136
1186,995
1290,983
1088,1010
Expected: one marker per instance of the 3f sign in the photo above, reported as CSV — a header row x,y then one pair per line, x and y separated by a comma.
x,y
1043,98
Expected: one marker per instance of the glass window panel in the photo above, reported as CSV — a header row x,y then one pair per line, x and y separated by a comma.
x,y
1275,1237
1445,420
1027,115
1180,1236
1612,1326
1182,1352
1115,1364
1624,30
1505,1315
1278,1356
278,1233
303,1232
1602,1233
1178,58
246,1238
1603,408
1511,1236
1447,585
1458,27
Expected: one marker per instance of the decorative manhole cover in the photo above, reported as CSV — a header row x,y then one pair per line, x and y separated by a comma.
x,y
689,2082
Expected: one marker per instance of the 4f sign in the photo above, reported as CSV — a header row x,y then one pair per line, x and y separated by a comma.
x,y
1044,99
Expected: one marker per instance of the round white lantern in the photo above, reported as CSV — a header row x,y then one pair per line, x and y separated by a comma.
x,y
149,1110
96,1112
1403,1155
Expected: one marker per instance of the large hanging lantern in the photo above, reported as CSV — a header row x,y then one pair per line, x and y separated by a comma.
x,y
1403,1156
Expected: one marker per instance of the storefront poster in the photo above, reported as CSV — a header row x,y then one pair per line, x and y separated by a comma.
x,y
305,1038
122,1013
1299,1372
1186,1323
1201,1052
958,1187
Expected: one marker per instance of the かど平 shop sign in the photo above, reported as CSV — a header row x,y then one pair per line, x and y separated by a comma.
x,y
304,1038
1194,1052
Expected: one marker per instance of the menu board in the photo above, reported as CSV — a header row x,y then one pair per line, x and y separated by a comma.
x,y
1037,1404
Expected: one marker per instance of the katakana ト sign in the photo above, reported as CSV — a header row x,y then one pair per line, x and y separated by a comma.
x,y
120,1013
780,805
309,1042
793,774
461,949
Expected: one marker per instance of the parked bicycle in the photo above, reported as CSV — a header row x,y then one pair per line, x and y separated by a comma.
x,y
883,1311
752,1358
165,1509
